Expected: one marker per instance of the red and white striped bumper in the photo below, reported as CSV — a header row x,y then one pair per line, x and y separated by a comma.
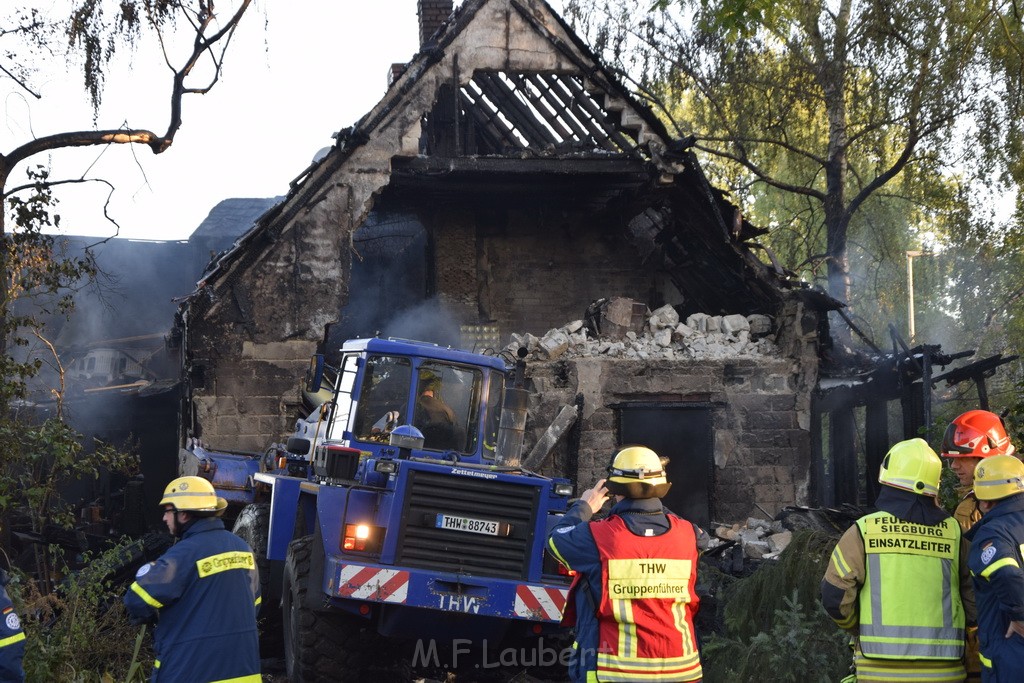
x,y
371,583
540,603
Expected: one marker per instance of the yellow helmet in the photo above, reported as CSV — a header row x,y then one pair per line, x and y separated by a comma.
x,y
912,466
637,472
193,494
998,477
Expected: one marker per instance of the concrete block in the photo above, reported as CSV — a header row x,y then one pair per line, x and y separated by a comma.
x,y
761,525
714,324
698,322
732,324
621,315
663,337
681,332
759,324
756,550
750,535
778,542
665,316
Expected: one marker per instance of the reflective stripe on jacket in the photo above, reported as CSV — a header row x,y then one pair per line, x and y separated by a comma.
x,y
205,590
910,605
12,641
648,599
997,565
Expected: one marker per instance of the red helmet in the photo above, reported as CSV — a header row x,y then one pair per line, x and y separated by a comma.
x,y
976,434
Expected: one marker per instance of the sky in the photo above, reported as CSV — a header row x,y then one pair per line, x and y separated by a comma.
x,y
297,71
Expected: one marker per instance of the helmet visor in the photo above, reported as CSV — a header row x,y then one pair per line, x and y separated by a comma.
x,y
950,448
639,474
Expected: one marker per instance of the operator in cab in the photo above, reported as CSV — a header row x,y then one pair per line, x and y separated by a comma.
x,y
433,416
202,594
635,590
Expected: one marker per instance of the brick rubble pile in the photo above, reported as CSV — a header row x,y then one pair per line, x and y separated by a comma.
x,y
662,335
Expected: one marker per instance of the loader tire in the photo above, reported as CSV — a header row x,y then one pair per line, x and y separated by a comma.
x,y
253,527
314,642
323,645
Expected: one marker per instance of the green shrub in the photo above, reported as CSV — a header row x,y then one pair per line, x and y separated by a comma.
x,y
775,627
80,632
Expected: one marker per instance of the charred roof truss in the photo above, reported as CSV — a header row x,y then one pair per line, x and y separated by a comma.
x,y
498,113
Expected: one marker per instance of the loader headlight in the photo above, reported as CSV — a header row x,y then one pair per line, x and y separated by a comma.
x,y
386,466
563,490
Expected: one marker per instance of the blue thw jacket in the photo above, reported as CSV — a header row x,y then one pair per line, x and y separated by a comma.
x,y
998,570
203,594
12,640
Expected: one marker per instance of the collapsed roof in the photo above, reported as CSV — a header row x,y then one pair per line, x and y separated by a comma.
x,y
504,99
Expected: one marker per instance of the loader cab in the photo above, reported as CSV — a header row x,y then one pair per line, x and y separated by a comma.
x,y
452,397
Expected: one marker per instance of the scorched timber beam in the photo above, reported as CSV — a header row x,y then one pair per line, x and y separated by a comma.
x,y
601,166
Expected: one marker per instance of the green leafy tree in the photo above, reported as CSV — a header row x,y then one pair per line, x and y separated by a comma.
x,y
41,282
826,106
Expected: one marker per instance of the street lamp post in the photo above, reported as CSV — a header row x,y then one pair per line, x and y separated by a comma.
x,y
911,255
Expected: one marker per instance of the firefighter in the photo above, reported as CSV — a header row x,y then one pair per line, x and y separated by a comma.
x,y
634,594
12,637
898,578
202,594
972,436
996,564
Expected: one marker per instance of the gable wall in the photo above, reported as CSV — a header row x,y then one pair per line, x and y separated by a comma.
x,y
250,334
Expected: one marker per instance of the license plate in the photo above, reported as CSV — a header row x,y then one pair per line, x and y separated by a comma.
x,y
468,524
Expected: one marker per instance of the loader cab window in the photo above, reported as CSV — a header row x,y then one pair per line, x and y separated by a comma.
x,y
344,386
495,391
383,398
447,407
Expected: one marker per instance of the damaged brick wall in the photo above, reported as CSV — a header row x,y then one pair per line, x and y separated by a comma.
x,y
540,282
761,415
456,265
251,333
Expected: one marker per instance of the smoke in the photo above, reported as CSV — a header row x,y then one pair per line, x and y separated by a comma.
x,y
388,284
427,321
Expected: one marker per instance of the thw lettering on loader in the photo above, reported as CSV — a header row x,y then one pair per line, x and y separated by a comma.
x,y
460,603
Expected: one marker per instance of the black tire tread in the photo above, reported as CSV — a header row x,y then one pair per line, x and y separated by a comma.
x,y
253,527
314,641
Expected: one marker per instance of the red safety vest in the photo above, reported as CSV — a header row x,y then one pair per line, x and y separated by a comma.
x,y
648,599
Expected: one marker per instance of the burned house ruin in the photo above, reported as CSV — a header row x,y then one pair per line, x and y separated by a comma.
x,y
504,183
